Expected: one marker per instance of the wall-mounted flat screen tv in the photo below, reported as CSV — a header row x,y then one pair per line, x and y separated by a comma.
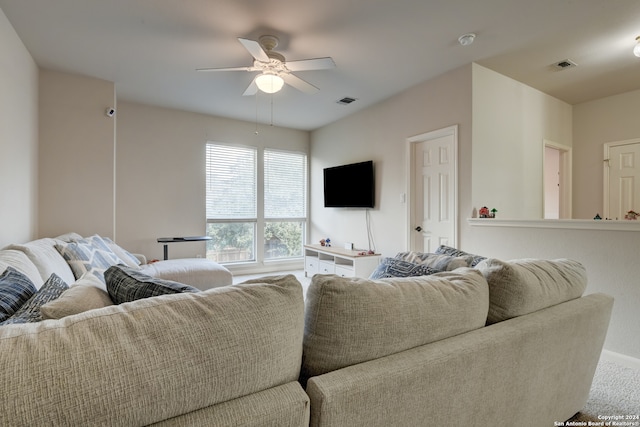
x,y
350,186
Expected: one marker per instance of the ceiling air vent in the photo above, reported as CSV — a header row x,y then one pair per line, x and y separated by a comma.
x,y
564,64
346,100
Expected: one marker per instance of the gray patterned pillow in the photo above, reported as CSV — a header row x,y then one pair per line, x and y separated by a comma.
x,y
83,256
15,290
393,267
447,250
129,284
438,261
30,311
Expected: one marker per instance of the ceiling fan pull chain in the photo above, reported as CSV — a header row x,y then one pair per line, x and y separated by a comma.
x,y
256,132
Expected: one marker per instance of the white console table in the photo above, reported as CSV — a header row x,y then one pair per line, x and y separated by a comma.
x,y
320,259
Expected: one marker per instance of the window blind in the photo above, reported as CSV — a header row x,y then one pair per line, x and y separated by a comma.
x,y
285,184
231,182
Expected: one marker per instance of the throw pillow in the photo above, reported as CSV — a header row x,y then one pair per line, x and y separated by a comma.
x,y
15,290
438,261
393,267
127,257
88,293
83,256
126,284
30,311
447,250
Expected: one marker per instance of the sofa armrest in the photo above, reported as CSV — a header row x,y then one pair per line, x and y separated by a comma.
x,y
141,258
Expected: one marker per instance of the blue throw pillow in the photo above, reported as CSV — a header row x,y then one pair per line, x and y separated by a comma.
x,y
126,284
15,290
30,311
393,267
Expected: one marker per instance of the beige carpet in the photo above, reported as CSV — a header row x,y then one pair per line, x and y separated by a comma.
x,y
615,392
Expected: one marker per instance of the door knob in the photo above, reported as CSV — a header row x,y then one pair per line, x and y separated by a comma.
x,y
418,228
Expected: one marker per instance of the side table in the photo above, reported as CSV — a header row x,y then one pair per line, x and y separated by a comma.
x,y
167,240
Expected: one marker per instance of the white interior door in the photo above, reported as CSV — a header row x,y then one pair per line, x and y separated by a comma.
x,y
622,174
433,192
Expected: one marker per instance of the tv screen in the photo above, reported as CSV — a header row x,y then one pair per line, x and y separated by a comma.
x,y
349,186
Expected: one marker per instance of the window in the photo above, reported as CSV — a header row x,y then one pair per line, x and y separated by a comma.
x,y
231,202
285,203
237,222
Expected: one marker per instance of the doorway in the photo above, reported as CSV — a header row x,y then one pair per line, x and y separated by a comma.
x,y
557,180
621,178
433,189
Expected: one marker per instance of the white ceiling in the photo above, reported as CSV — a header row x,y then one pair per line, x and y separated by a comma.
x,y
151,48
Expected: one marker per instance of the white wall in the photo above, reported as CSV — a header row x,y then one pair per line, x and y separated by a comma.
x,y
76,158
18,138
510,122
379,133
595,123
161,172
610,257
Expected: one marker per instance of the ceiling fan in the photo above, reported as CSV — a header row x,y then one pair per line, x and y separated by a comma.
x,y
274,70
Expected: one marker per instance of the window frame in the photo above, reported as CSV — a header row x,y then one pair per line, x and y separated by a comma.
x,y
260,221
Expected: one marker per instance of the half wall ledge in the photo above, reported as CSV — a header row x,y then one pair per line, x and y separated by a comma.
x,y
576,224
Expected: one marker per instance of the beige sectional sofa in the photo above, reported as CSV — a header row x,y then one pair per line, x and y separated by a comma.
x,y
500,344
376,363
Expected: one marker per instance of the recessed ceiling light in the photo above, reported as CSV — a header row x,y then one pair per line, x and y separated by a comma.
x,y
466,39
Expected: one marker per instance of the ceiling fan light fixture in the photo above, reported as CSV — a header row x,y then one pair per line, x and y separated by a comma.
x,y
269,83
636,48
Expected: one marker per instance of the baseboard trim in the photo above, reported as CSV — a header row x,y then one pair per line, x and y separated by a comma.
x,y
621,359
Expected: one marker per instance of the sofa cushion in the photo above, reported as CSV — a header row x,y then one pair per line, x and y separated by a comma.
x,y
15,290
47,259
393,267
21,262
200,273
448,250
440,262
84,256
30,310
126,284
352,320
523,286
69,237
87,293
153,359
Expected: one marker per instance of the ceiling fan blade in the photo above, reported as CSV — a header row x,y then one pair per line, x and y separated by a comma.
x,y
225,69
299,84
252,89
255,49
311,64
